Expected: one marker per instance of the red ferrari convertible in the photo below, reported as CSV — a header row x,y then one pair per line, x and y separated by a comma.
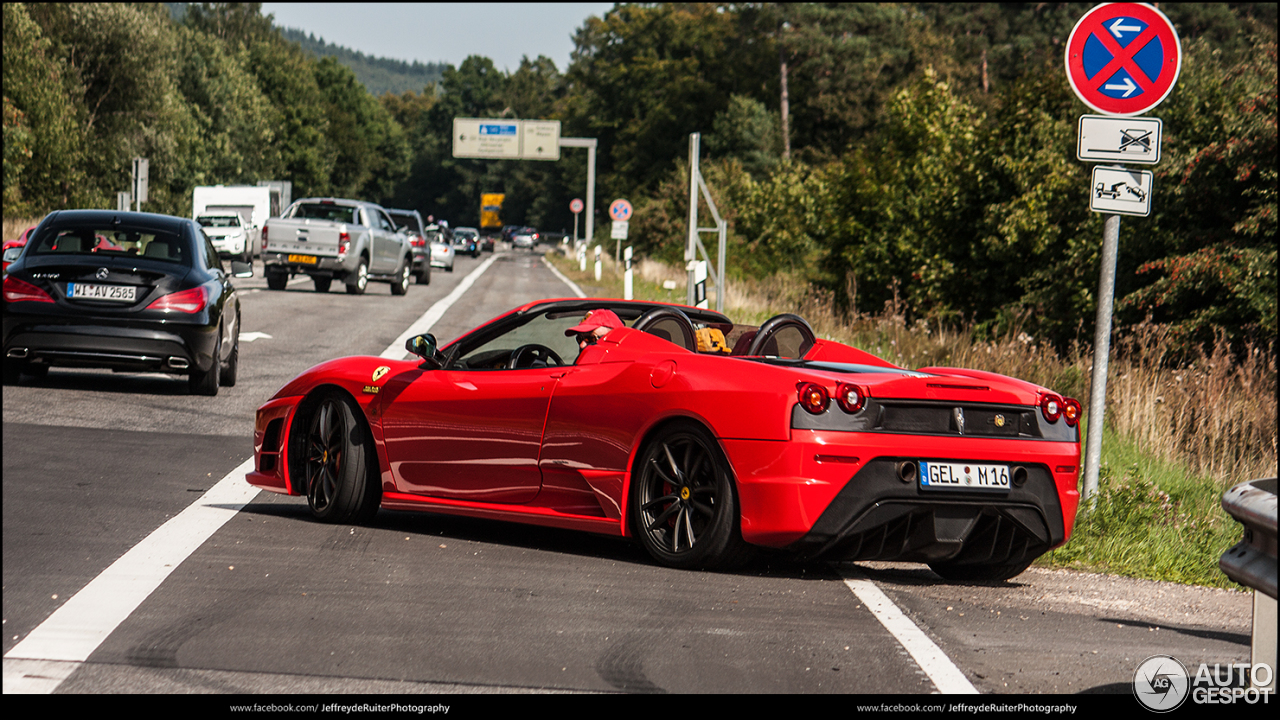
x,y
701,439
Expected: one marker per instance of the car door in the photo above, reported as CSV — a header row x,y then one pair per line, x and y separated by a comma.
x,y
468,434
473,431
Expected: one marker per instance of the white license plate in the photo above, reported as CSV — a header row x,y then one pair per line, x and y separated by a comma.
x,y
963,476
116,293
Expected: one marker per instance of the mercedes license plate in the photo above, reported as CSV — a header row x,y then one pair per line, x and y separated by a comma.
x,y
116,293
963,476
304,259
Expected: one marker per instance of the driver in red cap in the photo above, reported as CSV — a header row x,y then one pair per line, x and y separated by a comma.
x,y
594,326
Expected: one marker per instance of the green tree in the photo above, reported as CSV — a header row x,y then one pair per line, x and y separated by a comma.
x,y
44,133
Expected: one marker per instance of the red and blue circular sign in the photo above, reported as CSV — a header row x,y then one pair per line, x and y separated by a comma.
x,y
1123,58
620,210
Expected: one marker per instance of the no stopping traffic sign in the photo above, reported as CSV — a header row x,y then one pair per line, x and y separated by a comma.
x,y
1123,58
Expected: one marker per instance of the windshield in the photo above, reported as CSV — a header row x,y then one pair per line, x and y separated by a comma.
x,y
218,221
107,242
326,211
539,330
408,220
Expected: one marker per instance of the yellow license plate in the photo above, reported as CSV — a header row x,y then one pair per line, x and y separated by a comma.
x,y
305,259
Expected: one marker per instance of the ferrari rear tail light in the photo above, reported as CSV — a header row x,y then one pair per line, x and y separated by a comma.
x,y
1071,411
850,397
813,397
187,301
1051,408
344,242
16,290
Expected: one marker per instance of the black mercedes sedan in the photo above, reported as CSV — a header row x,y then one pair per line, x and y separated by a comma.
x,y
133,292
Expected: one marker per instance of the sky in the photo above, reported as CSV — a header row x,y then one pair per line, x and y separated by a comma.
x,y
444,32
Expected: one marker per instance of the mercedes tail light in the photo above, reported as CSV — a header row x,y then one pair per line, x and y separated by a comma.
x,y
16,290
1071,411
1051,407
851,398
813,397
187,301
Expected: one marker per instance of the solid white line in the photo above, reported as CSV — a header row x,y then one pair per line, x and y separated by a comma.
x,y
931,659
396,351
576,290
77,628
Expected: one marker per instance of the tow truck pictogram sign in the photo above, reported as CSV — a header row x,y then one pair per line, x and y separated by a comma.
x,y
1121,191
1123,58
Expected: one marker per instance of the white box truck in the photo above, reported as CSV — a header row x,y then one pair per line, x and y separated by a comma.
x,y
251,203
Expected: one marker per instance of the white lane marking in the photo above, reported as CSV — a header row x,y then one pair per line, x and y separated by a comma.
x,y
577,290
935,663
59,645
396,351
77,628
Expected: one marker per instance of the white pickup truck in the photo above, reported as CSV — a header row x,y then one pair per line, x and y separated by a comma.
x,y
329,238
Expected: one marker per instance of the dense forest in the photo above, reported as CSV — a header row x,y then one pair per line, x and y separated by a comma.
x,y
924,154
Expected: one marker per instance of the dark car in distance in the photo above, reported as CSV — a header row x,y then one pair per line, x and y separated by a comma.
x,y
411,220
133,292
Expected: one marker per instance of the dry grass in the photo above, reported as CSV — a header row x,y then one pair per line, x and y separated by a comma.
x,y
14,227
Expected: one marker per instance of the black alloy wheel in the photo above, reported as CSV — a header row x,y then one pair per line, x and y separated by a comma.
x,y
683,506
336,455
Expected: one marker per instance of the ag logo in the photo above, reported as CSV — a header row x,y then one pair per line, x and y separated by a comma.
x,y
1161,683
382,370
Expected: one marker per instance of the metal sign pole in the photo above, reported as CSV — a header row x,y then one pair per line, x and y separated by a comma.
x,y
1101,354
690,250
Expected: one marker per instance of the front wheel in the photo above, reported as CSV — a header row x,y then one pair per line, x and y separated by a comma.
x,y
682,501
336,453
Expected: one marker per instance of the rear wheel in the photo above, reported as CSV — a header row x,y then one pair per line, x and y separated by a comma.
x,y
205,382
232,367
683,507
359,280
336,456
424,275
400,285
322,283
979,572
276,280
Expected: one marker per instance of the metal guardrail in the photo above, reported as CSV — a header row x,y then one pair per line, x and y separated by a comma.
x,y
1252,561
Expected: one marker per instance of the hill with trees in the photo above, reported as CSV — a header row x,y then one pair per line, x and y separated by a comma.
x,y
924,155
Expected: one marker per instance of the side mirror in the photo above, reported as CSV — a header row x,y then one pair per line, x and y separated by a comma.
x,y
424,346
241,269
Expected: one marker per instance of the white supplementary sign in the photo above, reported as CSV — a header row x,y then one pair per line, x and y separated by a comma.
x,y
619,230
1120,140
506,139
1121,191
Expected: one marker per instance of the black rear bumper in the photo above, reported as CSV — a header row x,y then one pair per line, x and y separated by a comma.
x,y
877,516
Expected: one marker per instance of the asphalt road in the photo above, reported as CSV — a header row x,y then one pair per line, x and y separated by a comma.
x,y
94,462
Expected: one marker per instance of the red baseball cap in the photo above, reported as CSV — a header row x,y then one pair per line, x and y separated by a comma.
x,y
596,319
